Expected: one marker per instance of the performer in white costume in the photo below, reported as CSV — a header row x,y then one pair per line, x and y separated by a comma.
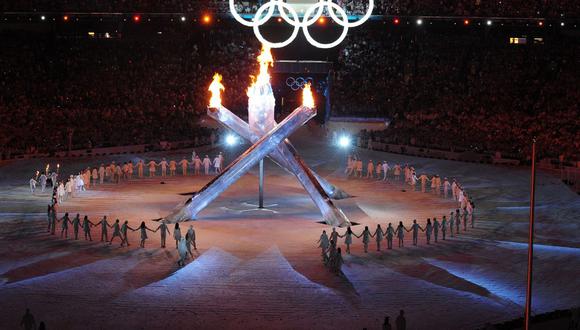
x,y
152,167
206,163
217,164
32,183
163,165
386,169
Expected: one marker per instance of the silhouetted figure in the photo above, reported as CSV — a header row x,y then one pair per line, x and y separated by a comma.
x,y
143,231
347,238
41,326
176,234
65,221
389,234
337,261
443,227
401,322
164,232
28,321
428,230
87,224
124,235
76,222
387,324
415,228
190,238
116,232
401,234
104,229
324,243
366,236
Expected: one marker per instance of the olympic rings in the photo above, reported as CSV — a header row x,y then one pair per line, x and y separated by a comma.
x,y
309,18
298,83
343,23
294,34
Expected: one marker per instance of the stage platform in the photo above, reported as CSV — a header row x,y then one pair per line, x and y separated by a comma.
x,y
263,270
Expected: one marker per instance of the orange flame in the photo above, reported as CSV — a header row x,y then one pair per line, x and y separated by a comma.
x,y
307,98
215,88
265,59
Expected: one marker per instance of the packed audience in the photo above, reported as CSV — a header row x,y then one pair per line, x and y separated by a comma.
x,y
496,8
110,92
438,89
463,91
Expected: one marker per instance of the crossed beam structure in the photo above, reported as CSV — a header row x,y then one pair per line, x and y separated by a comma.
x,y
275,145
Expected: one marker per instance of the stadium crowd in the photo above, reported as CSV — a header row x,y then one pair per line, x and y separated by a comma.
x,y
495,8
113,92
442,90
462,92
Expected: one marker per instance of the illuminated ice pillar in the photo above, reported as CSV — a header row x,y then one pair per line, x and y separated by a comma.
x,y
279,156
288,159
261,106
261,103
233,172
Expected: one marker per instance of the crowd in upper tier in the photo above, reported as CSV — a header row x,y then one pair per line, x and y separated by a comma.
x,y
446,90
470,92
495,8
113,92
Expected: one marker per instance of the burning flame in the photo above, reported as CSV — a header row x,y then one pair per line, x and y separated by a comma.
x,y
307,98
215,88
266,60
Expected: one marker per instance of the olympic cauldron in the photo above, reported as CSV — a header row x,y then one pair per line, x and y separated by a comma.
x,y
269,140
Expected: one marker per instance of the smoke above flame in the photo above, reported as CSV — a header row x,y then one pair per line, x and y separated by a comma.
x,y
216,88
307,97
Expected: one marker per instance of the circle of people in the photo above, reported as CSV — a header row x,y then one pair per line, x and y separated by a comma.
x,y
115,173
183,243
383,171
332,255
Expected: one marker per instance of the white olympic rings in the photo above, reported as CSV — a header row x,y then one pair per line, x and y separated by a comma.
x,y
309,18
298,83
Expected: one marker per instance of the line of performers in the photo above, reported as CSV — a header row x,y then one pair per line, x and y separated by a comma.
x,y
183,243
383,171
332,255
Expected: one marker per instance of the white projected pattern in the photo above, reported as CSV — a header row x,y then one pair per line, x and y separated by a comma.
x,y
291,17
